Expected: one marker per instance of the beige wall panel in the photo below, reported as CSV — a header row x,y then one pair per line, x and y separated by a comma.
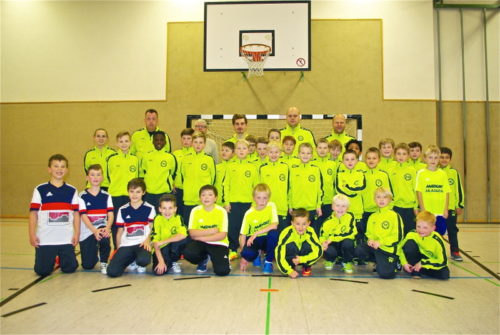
x,y
495,160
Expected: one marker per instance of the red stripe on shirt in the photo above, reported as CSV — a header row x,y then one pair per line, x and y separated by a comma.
x,y
54,206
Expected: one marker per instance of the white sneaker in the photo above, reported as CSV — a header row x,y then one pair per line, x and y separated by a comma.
x,y
176,267
104,268
132,266
141,269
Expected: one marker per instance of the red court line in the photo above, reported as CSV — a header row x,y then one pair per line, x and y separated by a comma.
x,y
269,290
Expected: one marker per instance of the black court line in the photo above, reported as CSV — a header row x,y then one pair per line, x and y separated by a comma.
x,y
434,294
187,278
111,288
269,276
349,280
23,309
485,268
13,289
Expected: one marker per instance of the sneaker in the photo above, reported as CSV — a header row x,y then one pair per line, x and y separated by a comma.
x,y
268,267
328,265
347,267
360,262
141,269
455,255
233,255
306,271
176,267
257,262
104,268
202,267
132,266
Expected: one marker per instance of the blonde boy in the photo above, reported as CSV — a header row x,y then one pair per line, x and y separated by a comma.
x,y
386,147
328,170
226,154
185,150
338,234
423,251
335,148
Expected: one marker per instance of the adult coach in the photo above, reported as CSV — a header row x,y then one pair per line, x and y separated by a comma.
x,y
293,128
142,139
338,133
240,124
210,146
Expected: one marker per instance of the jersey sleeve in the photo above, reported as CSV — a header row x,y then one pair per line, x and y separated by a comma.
x,y
224,225
280,252
82,206
274,213
75,201
36,200
119,219
191,224
156,231
152,214
110,204
245,224
351,231
460,192
316,249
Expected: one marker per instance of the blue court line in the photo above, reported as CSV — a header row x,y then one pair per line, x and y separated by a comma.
x,y
239,274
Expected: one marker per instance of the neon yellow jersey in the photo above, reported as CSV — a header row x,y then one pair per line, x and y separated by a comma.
x,y
328,171
276,176
351,183
255,219
403,179
342,138
306,187
417,164
386,227
338,229
159,168
164,228
301,135
456,188
386,164
375,178
360,165
219,179
432,247
121,169
197,170
142,142
241,177
98,156
434,187
290,160
216,218
235,138
179,155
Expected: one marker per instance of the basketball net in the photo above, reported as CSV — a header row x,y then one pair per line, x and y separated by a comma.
x,y
255,55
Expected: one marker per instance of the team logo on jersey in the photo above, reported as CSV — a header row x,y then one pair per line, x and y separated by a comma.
x,y
132,168
282,177
407,176
329,171
312,178
163,163
343,229
378,182
89,204
385,224
300,138
451,181
429,253
128,217
248,174
173,230
356,183
204,166
135,231
57,218
49,194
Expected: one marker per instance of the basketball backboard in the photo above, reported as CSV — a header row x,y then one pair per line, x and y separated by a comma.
x,y
282,25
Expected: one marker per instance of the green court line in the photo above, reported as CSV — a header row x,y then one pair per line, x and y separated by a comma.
x,y
475,274
268,314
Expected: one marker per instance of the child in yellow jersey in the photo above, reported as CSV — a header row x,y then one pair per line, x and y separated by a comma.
x,y
415,156
338,234
357,147
252,145
328,170
258,231
159,167
423,251
241,177
433,189
335,148
226,153
169,237
298,245
99,155
186,150
386,147
384,232
261,149
208,231
274,135
288,149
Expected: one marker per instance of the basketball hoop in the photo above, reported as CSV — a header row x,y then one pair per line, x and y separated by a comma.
x,y
255,55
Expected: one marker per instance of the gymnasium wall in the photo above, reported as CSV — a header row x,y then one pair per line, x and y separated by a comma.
x,y
118,71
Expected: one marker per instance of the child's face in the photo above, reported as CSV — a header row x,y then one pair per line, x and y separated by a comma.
x,y
226,153
100,138
288,147
135,194
123,143
251,147
372,159
432,160
95,177
305,154
261,199
159,141
335,152
186,140
300,224
198,144
58,169
444,160
208,198
415,153
322,149
274,154
262,150
340,208
401,155
424,228
241,150
275,136
168,209
350,161
382,200
386,150
355,147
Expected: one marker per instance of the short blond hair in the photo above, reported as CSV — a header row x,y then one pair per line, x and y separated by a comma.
x,y
261,188
432,149
245,142
274,144
384,192
426,217
341,199
198,134
386,141
402,146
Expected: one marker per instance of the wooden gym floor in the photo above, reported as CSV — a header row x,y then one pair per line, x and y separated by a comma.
x,y
246,304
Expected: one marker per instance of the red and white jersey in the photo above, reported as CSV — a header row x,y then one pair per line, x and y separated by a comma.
x,y
55,207
96,207
135,223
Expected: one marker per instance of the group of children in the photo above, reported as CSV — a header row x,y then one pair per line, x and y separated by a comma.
x,y
261,203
